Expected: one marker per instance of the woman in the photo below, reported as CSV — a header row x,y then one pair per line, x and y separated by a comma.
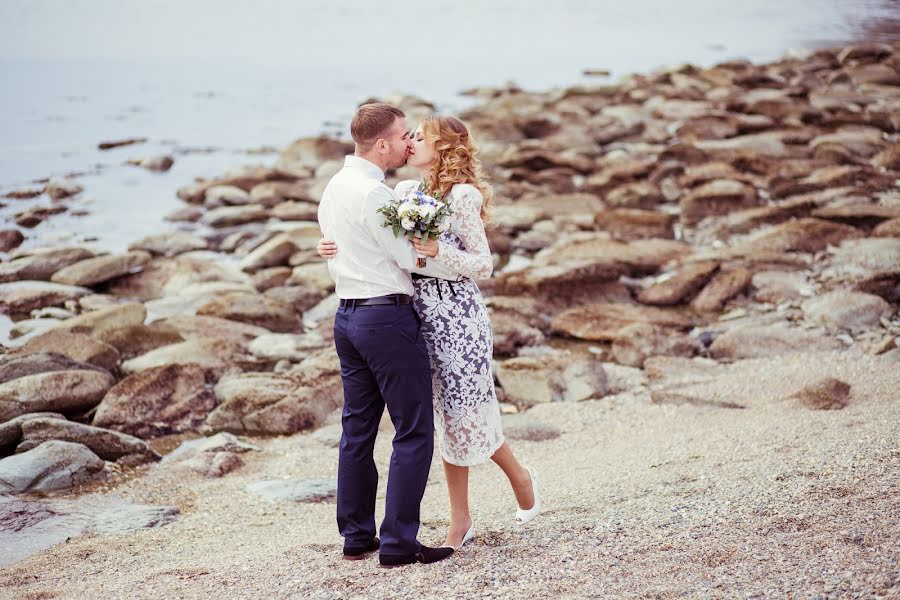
x,y
456,325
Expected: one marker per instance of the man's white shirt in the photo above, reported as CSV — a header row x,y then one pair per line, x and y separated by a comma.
x,y
370,261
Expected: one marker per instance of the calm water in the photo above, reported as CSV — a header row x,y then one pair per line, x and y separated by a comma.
x,y
238,75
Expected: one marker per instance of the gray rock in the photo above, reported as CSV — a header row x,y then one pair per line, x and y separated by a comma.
x,y
220,442
11,431
53,465
31,526
551,377
845,309
108,445
221,195
296,490
41,264
60,187
25,296
214,456
227,216
79,347
272,404
275,346
97,322
639,341
273,252
59,391
212,354
13,366
826,394
768,340
102,268
156,401
159,163
169,244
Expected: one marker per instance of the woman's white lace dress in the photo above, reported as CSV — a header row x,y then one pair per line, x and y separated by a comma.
x,y
457,331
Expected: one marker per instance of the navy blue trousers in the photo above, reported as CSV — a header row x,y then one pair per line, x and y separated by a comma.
x,y
384,362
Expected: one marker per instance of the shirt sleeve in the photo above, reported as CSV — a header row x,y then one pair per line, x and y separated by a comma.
x,y
475,261
398,248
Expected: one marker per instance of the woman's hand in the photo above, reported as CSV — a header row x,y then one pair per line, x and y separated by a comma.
x,y
430,249
326,248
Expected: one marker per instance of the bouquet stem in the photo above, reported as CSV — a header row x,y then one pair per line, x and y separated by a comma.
x,y
420,262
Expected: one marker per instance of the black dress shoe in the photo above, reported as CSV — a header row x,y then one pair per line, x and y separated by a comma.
x,y
425,555
359,552
428,555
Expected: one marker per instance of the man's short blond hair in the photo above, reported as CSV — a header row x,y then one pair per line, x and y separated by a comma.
x,y
372,121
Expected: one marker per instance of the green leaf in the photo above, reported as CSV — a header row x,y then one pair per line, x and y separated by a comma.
x,y
396,229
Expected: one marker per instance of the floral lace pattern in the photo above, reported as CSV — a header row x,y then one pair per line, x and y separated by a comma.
x,y
457,330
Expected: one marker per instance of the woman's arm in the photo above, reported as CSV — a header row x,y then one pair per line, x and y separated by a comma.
x,y
475,261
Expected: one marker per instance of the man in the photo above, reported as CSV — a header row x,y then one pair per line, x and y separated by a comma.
x,y
384,360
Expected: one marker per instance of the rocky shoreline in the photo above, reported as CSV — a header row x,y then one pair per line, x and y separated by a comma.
x,y
653,240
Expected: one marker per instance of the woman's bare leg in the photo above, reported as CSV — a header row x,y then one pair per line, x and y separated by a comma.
x,y
458,490
519,477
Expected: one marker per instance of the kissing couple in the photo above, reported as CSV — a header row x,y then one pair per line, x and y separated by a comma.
x,y
414,339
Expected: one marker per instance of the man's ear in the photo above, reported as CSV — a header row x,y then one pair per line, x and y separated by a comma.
x,y
381,146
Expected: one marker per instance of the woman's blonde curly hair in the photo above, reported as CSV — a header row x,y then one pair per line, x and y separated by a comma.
x,y
455,159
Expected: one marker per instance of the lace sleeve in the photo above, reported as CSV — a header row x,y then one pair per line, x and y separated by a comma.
x,y
475,261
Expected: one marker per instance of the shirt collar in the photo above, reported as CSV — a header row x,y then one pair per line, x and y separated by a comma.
x,y
367,167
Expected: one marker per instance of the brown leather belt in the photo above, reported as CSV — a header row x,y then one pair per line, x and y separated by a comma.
x,y
395,299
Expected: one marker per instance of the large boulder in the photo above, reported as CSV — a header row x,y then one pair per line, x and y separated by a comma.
x,y
53,465
157,401
135,340
801,235
11,431
215,355
102,268
108,445
778,286
551,377
197,326
758,341
845,309
270,404
604,321
13,366
679,286
286,346
21,297
169,244
76,346
212,456
228,216
41,264
637,342
57,391
97,322
254,309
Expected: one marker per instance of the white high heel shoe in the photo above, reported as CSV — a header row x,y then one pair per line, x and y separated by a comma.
x,y
468,537
525,515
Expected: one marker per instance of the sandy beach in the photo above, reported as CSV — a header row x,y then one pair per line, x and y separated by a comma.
x,y
695,314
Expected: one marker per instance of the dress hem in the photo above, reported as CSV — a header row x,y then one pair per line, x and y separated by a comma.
x,y
480,461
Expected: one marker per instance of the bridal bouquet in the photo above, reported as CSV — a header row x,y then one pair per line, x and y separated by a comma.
x,y
417,216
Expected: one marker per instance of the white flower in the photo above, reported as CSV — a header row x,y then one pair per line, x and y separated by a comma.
x,y
426,211
444,226
406,208
407,224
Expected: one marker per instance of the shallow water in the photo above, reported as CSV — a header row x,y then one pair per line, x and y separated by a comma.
x,y
198,75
